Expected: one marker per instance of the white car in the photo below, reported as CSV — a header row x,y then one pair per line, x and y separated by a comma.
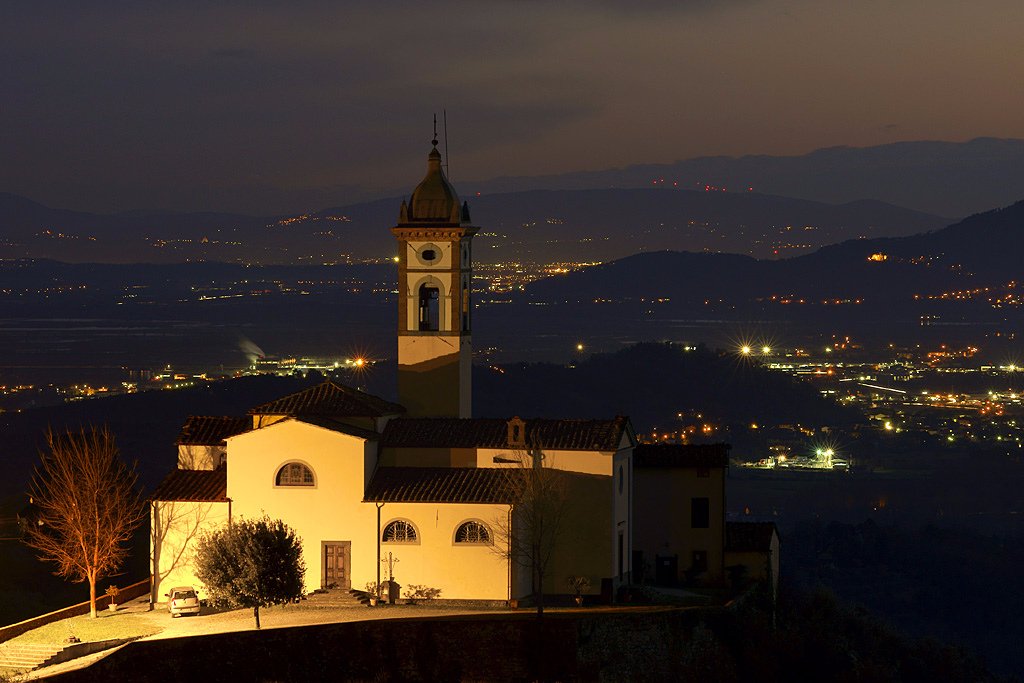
x,y
182,600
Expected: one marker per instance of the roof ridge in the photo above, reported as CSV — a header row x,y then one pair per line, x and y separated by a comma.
x,y
311,400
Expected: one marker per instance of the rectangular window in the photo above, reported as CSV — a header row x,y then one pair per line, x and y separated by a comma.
x,y
700,513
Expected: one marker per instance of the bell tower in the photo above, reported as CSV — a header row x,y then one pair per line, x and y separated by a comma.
x,y
435,351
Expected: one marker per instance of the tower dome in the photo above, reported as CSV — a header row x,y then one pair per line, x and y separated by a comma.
x,y
434,199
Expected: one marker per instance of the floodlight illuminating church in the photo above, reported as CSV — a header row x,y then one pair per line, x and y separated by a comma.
x,y
360,478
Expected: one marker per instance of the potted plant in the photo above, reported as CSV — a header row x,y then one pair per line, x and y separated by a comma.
x,y
578,584
373,591
113,592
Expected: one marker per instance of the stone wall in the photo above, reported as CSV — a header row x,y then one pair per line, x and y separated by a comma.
x,y
610,645
128,593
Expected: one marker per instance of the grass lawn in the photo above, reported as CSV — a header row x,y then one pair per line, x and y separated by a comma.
x,y
105,627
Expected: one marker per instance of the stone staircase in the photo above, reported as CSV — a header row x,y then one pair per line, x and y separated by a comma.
x,y
19,657
336,597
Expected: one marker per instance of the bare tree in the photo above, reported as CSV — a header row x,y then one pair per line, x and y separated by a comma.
x,y
89,506
531,533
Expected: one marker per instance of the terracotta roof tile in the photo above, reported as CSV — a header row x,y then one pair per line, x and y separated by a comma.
x,y
195,485
749,536
568,435
336,426
681,455
329,399
442,485
205,430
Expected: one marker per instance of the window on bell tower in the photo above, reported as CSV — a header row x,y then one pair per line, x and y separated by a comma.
x,y
429,311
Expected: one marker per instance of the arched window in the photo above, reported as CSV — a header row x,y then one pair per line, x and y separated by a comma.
x,y
430,313
295,474
399,531
473,532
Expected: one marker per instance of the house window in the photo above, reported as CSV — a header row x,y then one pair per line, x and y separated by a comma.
x,y
430,314
295,474
700,513
473,532
399,531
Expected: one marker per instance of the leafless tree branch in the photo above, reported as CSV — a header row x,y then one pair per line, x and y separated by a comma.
x,y
89,506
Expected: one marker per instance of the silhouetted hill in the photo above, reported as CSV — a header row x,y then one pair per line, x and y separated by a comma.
x,y
970,254
945,178
544,226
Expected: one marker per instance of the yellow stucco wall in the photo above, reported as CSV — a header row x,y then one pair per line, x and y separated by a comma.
x,y
200,457
331,510
587,542
586,462
174,528
461,571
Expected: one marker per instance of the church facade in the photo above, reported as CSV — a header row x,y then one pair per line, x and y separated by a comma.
x,y
417,490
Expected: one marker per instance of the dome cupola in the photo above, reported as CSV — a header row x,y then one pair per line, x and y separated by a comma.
x,y
434,199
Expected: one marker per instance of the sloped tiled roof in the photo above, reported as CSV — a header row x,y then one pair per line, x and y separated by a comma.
x,y
329,399
336,426
681,455
194,485
442,485
441,432
749,536
206,430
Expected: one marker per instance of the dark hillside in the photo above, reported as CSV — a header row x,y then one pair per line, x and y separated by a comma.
x,y
651,383
145,425
976,252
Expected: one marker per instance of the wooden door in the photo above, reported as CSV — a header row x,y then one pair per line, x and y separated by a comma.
x,y
337,561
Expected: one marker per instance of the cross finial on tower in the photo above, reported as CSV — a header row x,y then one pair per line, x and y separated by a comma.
x,y
434,141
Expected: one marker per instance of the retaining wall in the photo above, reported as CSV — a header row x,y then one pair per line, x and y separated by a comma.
x,y
102,601
608,645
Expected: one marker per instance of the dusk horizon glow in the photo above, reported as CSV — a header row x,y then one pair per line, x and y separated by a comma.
x,y
269,108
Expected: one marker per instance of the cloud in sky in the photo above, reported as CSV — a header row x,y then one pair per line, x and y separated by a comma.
x,y
278,106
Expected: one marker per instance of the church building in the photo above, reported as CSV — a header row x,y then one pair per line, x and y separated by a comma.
x,y
421,482
422,492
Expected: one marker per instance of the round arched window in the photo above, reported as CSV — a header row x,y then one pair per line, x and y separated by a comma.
x,y
399,531
473,532
295,474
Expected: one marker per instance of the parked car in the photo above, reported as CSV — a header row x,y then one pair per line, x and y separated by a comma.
x,y
182,600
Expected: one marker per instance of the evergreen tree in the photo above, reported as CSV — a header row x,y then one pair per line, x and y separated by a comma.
x,y
252,563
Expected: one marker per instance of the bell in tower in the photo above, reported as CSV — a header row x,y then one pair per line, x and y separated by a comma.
x,y
435,352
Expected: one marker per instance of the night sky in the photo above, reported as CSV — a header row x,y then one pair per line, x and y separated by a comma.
x,y
276,107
